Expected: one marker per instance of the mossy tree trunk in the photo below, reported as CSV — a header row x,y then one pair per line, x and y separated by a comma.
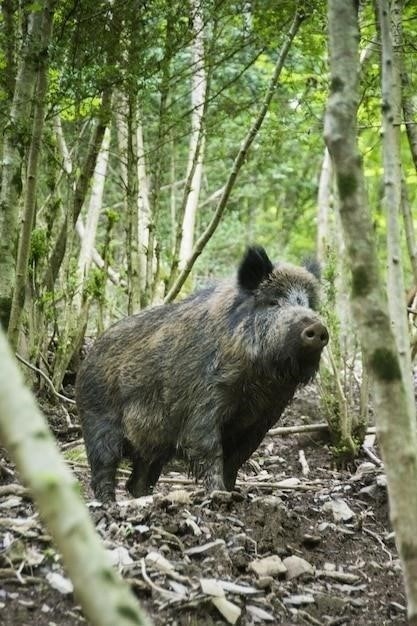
x,y
390,27
397,438
105,599
16,137
40,62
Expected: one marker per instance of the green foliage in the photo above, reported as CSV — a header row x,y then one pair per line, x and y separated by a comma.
x,y
328,308
96,284
149,58
38,245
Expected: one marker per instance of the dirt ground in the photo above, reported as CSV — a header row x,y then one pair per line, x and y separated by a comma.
x,y
195,559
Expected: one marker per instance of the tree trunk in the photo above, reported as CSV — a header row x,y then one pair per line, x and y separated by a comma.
x,y
105,599
23,252
197,139
398,438
93,213
14,147
144,207
81,189
390,25
134,270
323,208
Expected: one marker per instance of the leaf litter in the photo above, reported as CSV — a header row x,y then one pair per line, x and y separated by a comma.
x,y
297,543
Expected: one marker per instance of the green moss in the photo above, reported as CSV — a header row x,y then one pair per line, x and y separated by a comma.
x,y
347,185
360,281
128,613
336,85
41,435
5,306
50,482
385,365
108,575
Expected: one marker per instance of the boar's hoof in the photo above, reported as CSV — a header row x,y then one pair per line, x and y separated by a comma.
x,y
315,336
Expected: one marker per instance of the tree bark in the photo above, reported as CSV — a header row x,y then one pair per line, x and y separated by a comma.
x,y
105,599
144,207
398,438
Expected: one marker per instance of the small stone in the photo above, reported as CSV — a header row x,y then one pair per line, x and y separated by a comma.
x,y
369,491
264,582
381,481
269,566
340,510
329,567
296,566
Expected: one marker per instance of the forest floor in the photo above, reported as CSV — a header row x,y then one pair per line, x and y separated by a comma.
x,y
298,542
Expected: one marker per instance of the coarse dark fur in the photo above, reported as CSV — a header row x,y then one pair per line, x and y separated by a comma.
x,y
204,378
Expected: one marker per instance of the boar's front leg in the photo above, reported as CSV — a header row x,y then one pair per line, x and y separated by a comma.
x,y
202,445
238,447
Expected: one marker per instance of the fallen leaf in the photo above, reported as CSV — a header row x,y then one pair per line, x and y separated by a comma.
x,y
159,562
211,587
60,583
258,614
230,611
243,590
300,599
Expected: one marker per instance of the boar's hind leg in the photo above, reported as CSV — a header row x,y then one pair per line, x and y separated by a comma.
x,y
103,441
144,475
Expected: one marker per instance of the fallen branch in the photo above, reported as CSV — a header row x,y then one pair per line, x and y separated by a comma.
x,y
341,577
307,428
165,592
44,376
72,444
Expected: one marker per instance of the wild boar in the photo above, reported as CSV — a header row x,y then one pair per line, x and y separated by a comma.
x,y
204,378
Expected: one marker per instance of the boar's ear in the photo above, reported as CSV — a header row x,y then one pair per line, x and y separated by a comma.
x,y
254,267
313,266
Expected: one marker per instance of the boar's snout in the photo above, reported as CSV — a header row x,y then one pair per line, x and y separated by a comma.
x,y
315,336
